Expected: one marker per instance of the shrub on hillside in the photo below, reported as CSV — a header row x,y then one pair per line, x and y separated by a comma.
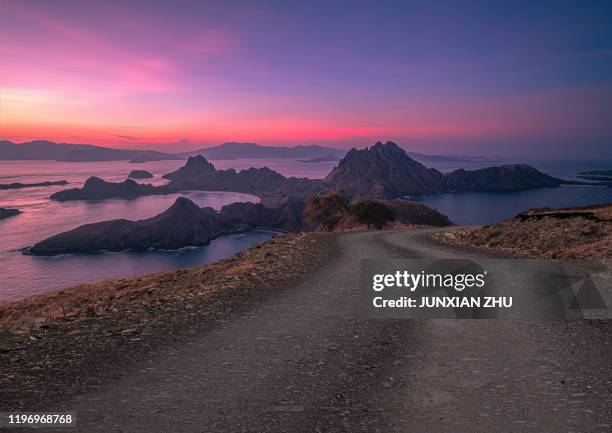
x,y
327,209
372,213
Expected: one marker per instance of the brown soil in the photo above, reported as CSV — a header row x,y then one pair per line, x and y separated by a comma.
x,y
58,343
571,233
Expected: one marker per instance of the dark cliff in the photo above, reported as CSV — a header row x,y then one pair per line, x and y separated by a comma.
x,y
98,189
183,224
198,173
385,171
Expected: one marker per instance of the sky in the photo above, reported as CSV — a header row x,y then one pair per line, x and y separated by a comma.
x,y
493,78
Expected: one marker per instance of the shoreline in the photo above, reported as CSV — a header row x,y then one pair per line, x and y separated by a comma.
x,y
56,344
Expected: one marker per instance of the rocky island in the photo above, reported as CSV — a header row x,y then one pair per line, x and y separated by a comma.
x,y
18,185
98,189
6,212
185,224
383,171
182,224
140,174
271,186
386,171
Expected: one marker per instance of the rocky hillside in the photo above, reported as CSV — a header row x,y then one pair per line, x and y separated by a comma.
x,y
383,171
200,174
287,216
185,224
182,224
575,233
386,171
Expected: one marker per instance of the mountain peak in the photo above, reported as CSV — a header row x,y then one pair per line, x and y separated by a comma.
x,y
383,171
199,162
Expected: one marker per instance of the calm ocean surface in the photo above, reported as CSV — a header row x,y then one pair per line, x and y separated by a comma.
x,y
22,276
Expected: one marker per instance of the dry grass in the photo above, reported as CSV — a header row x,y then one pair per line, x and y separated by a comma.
x,y
106,297
570,233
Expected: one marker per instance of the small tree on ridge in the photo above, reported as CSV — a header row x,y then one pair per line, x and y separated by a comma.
x,y
327,209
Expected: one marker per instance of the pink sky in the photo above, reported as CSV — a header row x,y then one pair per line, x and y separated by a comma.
x,y
172,79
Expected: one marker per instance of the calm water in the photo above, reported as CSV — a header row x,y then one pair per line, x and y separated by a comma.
x,y
469,208
22,276
485,208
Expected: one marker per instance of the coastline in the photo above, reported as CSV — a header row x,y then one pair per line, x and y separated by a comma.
x,y
58,343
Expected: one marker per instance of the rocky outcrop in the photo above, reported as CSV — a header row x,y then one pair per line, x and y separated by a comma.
x,y
140,174
183,224
17,185
569,233
200,174
98,189
195,167
287,216
5,212
514,177
385,171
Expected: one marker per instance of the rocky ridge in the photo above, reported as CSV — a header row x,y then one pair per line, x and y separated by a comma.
x,y
98,189
386,171
567,233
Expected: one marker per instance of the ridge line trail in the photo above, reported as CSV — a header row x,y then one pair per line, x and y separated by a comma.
x,y
304,361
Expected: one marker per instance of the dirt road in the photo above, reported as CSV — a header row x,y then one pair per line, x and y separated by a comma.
x,y
305,361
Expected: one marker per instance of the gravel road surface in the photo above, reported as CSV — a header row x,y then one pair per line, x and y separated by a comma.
x,y
305,361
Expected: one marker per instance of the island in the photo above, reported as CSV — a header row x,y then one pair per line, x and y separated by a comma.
x,y
140,174
386,171
184,224
68,152
6,212
382,171
98,189
18,185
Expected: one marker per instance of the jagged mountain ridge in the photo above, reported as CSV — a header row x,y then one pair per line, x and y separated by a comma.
x,y
383,171
386,171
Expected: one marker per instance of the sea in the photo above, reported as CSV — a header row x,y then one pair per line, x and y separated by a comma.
x,y
22,276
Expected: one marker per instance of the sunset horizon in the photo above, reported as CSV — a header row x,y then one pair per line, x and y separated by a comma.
x,y
282,216
464,82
